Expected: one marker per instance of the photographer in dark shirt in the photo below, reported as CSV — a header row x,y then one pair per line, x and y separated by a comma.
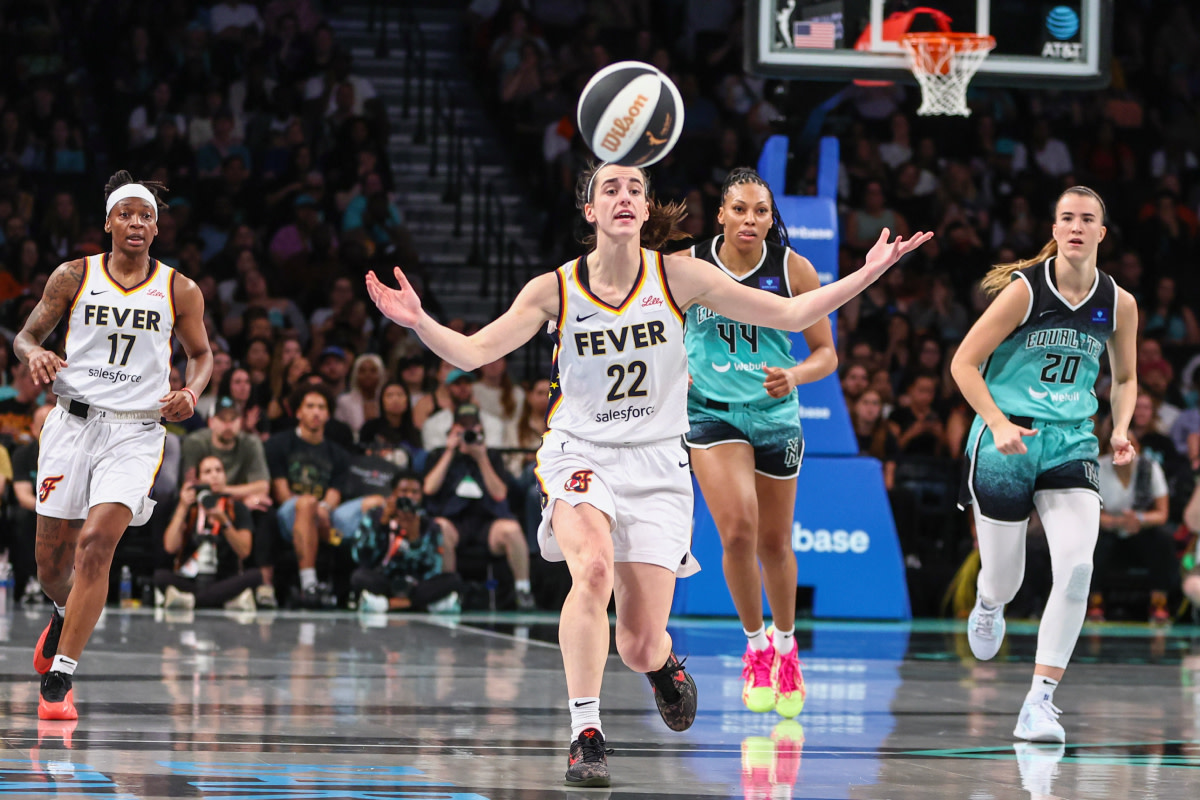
x,y
400,554
209,535
466,489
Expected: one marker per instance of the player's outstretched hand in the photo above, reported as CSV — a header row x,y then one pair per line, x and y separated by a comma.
x,y
884,254
1122,449
401,306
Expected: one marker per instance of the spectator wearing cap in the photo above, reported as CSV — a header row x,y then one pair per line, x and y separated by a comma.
x,y
333,365
241,454
466,488
460,385
247,477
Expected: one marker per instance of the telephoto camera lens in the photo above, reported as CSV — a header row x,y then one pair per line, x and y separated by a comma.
x,y
471,437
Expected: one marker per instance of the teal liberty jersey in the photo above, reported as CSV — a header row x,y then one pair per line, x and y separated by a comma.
x,y
1046,369
728,359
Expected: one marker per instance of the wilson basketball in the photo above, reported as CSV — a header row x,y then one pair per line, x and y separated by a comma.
x,y
630,114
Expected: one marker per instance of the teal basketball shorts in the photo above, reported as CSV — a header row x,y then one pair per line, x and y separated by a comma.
x,y
1063,455
771,427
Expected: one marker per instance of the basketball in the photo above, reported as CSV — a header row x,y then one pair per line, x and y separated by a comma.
x,y
630,113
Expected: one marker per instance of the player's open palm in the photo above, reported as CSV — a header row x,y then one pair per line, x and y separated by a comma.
x,y
886,253
401,306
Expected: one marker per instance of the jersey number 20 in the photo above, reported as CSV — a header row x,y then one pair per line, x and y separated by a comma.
x,y
1060,370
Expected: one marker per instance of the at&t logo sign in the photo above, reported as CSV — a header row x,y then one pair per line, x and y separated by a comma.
x,y
825,541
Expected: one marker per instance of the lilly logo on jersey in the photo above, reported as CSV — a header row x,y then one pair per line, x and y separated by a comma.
x,y
652,301
155,293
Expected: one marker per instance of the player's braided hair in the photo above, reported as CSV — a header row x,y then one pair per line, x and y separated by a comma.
x,y
1000,275
660,228
740,175
122,177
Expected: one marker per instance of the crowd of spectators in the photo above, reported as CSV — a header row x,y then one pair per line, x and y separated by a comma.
x,y
986,185
322,416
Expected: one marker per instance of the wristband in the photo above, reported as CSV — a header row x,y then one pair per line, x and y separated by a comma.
x,y
195,400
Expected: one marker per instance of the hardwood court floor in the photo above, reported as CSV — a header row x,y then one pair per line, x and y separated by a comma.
x,y
289,706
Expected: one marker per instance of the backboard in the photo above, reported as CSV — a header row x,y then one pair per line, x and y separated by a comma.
x,y
1039,43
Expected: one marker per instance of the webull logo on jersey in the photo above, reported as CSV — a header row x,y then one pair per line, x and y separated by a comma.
x,y
825,541
1055,397
139,319
639,336
1065,338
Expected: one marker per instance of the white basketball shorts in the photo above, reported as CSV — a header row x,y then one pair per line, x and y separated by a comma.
x,y
85,462
645,490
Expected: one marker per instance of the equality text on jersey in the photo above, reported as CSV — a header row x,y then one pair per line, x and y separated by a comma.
x,y
1066,338
638,336
139,319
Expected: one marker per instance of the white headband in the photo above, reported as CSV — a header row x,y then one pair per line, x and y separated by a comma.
x,y
587,195
131,190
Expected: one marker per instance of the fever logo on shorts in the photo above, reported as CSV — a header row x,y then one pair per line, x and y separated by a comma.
x,y
48,485
579,481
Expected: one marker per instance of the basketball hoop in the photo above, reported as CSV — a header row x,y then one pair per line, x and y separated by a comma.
x,y
944,64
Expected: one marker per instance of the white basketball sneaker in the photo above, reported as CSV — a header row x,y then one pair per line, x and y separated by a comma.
x,y
1038,722
985,630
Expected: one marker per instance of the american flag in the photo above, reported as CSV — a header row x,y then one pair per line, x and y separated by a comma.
x,y
814,34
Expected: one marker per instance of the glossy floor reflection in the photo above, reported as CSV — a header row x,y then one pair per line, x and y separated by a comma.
x,y
288,706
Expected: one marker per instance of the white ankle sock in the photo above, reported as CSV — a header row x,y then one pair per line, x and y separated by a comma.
x,y
785,641
585,713
758,639
64,665
308,578
522,586
1042,689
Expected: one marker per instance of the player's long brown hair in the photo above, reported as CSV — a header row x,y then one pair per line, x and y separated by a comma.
x,y
660,228
1000,275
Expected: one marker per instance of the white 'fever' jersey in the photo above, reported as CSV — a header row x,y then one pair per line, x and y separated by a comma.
x,y
119,340
620,372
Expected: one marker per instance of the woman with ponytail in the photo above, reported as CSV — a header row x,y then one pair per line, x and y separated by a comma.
x,y
618,493
745,438
1028,367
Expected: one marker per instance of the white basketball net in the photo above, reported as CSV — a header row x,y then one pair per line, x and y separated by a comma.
x,y
944,65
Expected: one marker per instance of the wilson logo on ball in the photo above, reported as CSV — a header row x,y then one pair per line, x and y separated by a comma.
x,y
630,113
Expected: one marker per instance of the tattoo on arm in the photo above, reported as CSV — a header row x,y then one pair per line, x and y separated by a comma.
x,y
56,301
